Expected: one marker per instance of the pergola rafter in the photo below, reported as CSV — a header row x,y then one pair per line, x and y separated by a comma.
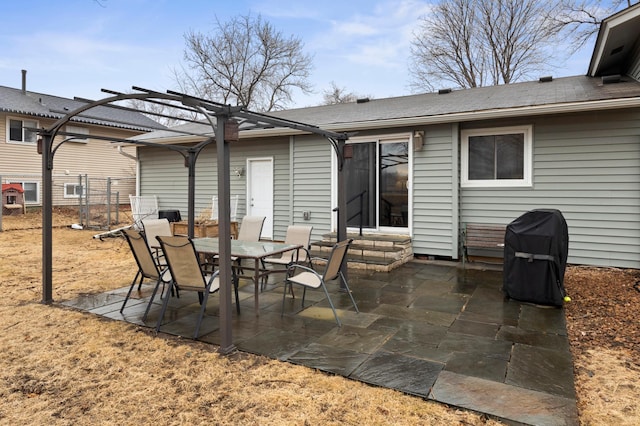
x,y
216,117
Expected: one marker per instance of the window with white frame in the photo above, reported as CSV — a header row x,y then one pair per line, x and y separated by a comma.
x,y
72,190
17,130
31,191
80,130
497,157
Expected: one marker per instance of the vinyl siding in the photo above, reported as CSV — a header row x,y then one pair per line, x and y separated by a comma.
x,y
588,167
162,174
312,183
97,158
434,194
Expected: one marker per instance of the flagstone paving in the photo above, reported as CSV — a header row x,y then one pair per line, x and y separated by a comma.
x,y
435,331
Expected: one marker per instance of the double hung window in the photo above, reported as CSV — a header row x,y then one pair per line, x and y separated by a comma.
x,y
31,191
18,130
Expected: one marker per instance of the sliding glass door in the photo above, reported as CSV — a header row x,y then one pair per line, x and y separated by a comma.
x,y
376,176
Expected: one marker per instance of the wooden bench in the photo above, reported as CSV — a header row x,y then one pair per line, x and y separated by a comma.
x,y
484,242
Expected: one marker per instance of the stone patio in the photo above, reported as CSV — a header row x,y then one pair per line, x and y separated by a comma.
x,y
432,330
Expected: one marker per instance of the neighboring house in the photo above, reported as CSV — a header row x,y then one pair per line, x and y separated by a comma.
x,y
426,165
20,162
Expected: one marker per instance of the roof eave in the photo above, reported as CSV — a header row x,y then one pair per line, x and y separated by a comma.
x,y
560,108
606,27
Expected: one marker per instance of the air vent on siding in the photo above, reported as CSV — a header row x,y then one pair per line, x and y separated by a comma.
x,y
546,79
444,91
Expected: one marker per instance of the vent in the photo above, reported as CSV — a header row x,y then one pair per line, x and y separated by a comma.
x,y
444,91
362,100
546,79
617,50
610,79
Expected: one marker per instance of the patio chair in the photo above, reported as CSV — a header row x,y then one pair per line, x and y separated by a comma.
x,y
296,234
187,274
147,267
153,228
308,278
233,212
250,230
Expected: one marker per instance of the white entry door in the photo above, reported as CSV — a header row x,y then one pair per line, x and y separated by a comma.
x,y
260,192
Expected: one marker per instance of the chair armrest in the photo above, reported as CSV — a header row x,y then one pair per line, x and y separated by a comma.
x,y
291,269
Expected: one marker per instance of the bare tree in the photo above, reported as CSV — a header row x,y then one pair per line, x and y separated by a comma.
x,y
581,19
245,61
339,95
447,48
162,112
472,43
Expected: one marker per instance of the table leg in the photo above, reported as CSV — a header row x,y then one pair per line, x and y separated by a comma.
x,y
256,279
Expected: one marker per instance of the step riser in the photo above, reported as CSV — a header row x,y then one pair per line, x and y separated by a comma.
x,y
373,252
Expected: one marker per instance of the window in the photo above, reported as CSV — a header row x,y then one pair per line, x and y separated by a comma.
x,y
498,157
72,190
31,192
18,133
80,130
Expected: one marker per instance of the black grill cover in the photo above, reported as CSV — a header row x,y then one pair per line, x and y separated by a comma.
x,y
536,246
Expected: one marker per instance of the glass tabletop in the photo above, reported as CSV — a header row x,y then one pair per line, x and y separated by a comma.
x,y
244,249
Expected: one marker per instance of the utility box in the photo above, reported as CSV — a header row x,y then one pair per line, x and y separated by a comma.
x,y
536,246
12,199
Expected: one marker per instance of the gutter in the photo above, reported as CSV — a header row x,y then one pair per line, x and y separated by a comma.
x,y
126,154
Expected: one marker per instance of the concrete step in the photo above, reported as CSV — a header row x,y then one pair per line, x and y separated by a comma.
x,y
370,252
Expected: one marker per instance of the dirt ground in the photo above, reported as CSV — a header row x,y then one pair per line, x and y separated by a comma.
x,y
60,366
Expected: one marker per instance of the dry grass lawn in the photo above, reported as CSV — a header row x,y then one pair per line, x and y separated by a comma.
x,y
60,366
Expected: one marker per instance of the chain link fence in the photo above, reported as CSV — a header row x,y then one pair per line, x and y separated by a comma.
x,y
97,199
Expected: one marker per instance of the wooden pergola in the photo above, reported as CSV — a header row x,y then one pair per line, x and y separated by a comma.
x,y
213,123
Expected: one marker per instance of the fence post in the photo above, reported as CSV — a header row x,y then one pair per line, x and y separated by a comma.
x,y
109,203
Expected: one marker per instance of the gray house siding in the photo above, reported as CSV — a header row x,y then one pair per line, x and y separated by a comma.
x,y
311,183
162,174
588,167
434,193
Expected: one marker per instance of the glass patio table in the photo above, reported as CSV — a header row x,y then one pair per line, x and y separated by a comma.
x,y
256,251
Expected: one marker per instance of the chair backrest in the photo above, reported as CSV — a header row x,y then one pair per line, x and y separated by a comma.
x,y
337,256
153,228
298,234
141,253
233,212
251,228
182,259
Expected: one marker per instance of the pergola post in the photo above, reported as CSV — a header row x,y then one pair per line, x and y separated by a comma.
x,y
224,234
342,205
190,159
47,222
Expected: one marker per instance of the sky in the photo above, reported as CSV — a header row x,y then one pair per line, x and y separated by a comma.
x,y
77,47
